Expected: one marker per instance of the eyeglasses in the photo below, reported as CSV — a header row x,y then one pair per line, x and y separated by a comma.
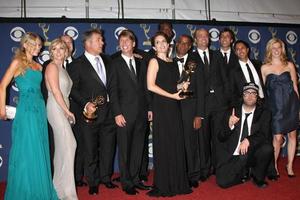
x,y
247,93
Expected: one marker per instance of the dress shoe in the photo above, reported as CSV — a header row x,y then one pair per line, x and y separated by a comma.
x,y
80,183
259,184
203,178
245,178
130,191
141,186
273,177
93,190
154,193
194,184
144,178
110,185
117,179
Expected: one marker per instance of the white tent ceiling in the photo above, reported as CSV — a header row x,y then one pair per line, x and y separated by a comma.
x,y
274,11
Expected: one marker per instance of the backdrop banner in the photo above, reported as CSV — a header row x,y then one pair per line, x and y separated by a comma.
x,y
256,34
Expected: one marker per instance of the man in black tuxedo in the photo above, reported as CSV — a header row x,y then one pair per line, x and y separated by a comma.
x,y
226,53
130,111
245,71
216,93
192,108
244,144
92,77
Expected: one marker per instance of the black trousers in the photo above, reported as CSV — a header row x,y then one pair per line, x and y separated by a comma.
x,y
99,143
130,141
257,158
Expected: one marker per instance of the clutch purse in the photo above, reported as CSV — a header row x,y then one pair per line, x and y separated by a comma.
x,y
10,112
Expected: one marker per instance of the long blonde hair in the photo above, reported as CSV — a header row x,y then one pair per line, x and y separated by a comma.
x,y
268,54
29,38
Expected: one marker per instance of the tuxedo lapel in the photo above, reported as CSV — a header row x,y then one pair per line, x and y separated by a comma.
x,y
92,71
128,72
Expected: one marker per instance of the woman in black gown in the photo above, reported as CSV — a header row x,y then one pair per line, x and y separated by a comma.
x,y
280,80
170,177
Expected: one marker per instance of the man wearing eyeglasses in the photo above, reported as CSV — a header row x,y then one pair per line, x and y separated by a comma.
x,y
244,143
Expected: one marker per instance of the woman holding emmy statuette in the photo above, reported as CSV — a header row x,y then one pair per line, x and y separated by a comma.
x,y
59,85
170,174
280,79
29,175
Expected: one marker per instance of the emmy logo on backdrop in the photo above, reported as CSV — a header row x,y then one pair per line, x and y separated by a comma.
x,y
95,26
45,29
255,52
192,30
293,54
89,117
273,31
146,28
187,72
235,30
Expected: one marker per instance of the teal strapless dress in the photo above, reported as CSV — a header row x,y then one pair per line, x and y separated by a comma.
x,y
29,174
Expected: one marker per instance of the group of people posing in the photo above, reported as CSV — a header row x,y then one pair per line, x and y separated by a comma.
x,y
231,124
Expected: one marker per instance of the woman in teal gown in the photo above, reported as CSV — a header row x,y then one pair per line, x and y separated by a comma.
x,y
29,175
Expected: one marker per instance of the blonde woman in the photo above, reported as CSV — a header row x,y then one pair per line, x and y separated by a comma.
x,y
59,85
280,79
29,175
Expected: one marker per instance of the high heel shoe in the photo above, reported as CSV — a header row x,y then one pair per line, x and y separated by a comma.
x,y
289,175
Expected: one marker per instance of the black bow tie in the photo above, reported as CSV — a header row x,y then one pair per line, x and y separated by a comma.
x,y
179,59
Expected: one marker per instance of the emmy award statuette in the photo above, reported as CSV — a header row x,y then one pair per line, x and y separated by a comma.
x,y
187,72
89,117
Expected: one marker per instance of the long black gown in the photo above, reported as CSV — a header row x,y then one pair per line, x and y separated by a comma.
x,y
283,102
170,176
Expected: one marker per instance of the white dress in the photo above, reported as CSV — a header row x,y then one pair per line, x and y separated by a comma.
x,y
64,141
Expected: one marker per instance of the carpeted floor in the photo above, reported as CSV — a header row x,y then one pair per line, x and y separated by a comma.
x,y
283,189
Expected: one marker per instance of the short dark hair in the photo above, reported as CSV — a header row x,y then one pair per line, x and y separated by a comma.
x,y
227,30
241,42
88,34
186,36
127,33
165,23
159,33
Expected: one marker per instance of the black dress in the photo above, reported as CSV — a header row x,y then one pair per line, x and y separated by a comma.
x,y
170,176
283,102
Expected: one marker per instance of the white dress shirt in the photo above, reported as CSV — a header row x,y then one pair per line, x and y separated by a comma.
x,y
200,51
255,75
249,122
126,58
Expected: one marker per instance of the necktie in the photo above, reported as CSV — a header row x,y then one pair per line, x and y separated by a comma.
x,y
245,130
250,73
100,70
66,64
225,58
131,67
205,58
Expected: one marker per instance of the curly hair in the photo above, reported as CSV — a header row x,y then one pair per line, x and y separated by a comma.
x,y
54,43
268,54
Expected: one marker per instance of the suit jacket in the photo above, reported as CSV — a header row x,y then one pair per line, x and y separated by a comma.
x,y
238,80
233,60
216,80
131,96
87,85
227,139
195,105
43,83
